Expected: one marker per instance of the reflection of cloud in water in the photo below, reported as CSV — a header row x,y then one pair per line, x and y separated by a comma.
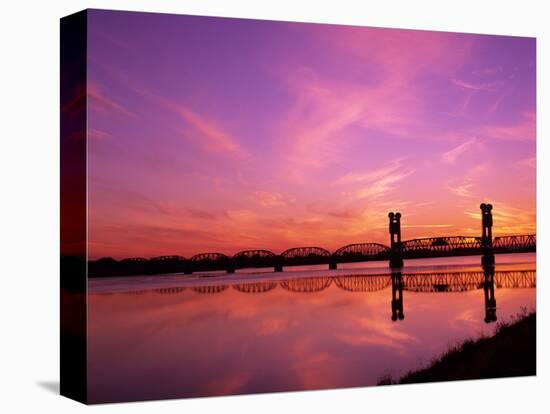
x,y
192,344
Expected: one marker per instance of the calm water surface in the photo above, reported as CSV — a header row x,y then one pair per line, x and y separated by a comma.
x,y
173,336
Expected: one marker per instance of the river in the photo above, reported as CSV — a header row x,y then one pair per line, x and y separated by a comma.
x,y
173,336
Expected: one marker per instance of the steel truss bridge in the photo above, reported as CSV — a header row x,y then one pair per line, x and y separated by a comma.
x,y
312,255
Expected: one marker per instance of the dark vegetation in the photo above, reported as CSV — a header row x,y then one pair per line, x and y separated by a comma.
x,y
136,266
510,352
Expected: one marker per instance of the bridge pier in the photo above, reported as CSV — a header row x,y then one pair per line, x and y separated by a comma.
x,y
396,253
278,264
397,297
488,262
332,265
489,294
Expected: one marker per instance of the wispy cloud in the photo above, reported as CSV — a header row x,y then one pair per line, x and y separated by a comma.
x,y
490,86
472,89
330,115
451,156
488,70
270,198
211,137
207,133
463,185
356,177
461,190
99,135
523,130
494,107
345,214
322,110
426,226
382,186
375,183
509,219
530,162
100,102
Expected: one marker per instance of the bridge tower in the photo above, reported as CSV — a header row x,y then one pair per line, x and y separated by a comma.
x,y
397,296
486,224
489,294
488,258
396,254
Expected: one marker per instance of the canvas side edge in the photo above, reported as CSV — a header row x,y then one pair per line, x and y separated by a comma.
x,y
73,214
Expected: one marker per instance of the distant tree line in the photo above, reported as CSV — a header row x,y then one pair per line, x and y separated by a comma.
x,y
108,266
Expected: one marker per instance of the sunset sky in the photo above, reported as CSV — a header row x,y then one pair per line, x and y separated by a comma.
x,y
213,134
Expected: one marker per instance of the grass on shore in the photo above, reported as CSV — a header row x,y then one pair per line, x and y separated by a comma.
x,y
510,352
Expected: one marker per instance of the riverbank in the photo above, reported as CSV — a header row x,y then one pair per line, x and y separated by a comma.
x,y
510,352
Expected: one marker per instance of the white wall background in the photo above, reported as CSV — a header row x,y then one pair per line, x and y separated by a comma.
x,y
29,208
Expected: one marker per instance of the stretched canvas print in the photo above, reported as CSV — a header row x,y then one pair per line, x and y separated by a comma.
x,y
257,206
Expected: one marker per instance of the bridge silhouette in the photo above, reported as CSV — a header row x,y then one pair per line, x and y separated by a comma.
x,y
395,253
432,282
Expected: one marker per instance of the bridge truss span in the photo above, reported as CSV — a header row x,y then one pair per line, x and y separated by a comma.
x,y
362,283
465,281
305,252
523,243
209,262
442,244
305,256
254,259
306,285
255,287
361,252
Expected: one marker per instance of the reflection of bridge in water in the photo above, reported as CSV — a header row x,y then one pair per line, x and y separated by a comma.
x,y
396,253
434,282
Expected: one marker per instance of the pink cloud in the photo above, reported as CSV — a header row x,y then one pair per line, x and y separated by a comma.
x,y
211,136
510,219
371,175
381,187
451,156
402,53
97,134
100,102
270,198
489,86
326,108
523,130
530,162
462,190
375,183
273,326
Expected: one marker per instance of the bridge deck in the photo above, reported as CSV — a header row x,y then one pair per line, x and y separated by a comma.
x,y
300,256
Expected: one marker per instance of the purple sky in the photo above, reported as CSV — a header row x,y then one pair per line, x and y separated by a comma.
x,y
214,134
